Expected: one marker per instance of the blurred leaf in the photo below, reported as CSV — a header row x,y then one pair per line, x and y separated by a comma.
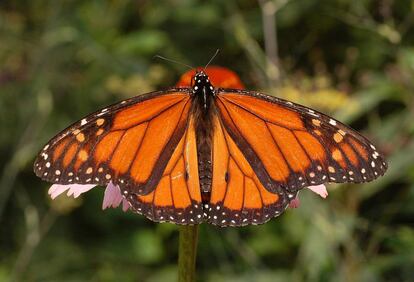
x,y
147,247
144,42
399,164
4,273
168,273
262,276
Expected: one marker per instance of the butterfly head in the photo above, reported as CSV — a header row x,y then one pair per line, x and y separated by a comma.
x,y
203,89
202,82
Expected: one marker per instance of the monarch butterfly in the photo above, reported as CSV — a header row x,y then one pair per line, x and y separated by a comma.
x,y
200,153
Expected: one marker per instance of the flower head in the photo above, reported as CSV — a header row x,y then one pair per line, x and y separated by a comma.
x,y
113,197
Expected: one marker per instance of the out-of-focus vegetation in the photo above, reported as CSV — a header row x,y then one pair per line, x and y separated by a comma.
x,y
60,60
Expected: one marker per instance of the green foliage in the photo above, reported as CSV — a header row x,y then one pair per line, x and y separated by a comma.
x,y
60,60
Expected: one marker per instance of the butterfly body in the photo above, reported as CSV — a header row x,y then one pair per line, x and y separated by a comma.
x,y
203,154
203,111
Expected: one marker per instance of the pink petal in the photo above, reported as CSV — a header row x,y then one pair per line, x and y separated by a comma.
x,y
57,189
112,197
76,190
125,205
295,203
73,189
320,190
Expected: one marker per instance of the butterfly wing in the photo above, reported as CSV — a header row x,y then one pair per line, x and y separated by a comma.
x,y
177,197
291,146
130,143
237,196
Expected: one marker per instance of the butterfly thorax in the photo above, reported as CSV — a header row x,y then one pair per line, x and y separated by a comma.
x,y
203,113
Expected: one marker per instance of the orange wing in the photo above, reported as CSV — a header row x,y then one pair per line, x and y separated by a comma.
x,y
129,143
237,195
291,146
177,196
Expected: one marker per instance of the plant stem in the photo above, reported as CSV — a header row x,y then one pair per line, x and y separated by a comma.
x,y
187,252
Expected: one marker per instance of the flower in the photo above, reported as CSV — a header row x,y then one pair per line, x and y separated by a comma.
x,y
112,196
318,189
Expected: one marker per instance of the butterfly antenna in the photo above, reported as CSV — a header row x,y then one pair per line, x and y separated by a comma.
x,y
173,61
212,58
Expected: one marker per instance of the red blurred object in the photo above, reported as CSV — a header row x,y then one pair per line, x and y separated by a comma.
x,y
219,77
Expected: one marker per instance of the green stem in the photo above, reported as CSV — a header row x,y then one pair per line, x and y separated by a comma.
x,y
187,253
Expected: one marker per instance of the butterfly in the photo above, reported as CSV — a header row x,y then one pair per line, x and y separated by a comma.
x,y
201,153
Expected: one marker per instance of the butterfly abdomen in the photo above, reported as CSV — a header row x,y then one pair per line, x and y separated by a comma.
x,y
204,132
205,170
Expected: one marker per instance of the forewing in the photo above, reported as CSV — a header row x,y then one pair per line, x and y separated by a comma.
x,y
237,195
292,146
129,143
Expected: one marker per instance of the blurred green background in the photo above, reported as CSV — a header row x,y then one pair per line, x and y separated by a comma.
x,y
60,60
